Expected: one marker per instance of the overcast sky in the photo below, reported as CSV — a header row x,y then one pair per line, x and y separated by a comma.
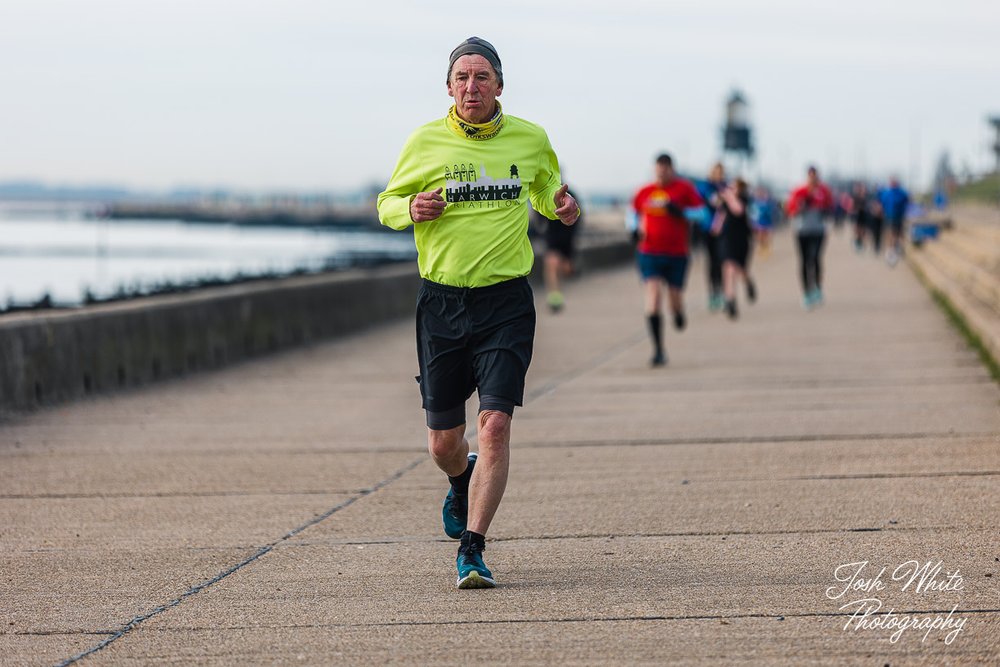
x,y
320,95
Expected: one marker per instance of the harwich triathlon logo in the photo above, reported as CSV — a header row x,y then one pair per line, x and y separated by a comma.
x,y
465,184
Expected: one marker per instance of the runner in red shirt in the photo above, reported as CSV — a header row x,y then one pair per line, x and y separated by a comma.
x,y
663,246
808,206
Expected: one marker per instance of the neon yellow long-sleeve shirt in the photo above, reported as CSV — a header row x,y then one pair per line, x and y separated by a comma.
x,y
481,237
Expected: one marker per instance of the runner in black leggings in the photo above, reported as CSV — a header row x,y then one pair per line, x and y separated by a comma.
x,y
734,231
808,206
711,193
810,262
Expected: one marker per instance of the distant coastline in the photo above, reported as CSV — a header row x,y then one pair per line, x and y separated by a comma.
x,y
347,210
264,216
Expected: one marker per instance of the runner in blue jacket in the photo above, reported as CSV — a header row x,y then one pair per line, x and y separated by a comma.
x,y
894,200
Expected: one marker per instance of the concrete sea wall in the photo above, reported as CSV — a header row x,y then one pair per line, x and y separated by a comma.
x,y
55,356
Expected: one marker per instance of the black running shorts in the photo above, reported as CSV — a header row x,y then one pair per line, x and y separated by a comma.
x,y
473,338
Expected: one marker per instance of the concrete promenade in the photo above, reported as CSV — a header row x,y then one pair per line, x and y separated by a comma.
x,y
285,511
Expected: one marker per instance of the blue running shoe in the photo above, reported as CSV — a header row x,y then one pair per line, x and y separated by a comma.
x,y
455,512
472,571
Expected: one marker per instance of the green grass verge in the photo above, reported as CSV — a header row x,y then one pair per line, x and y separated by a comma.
x,y
958,320
985,190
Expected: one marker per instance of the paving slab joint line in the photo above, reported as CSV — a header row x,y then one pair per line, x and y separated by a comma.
x,y
642,618
844,476
307,544
757,439
57,633
721,533
170,494
572,619
136,621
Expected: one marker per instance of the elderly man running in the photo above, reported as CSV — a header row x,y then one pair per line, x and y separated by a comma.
x,y
464,182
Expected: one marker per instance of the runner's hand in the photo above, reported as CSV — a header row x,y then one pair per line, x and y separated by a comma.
x,y
427,206
567,210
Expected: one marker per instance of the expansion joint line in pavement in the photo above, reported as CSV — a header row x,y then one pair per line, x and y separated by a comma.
x,y
166,494
136,621
757,439
638,618
634,536
720,533
539,392
655,617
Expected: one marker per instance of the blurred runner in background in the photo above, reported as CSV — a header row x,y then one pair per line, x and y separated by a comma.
x,y
764,216
894,200
809,205
663,250
560,247
734,231
709,190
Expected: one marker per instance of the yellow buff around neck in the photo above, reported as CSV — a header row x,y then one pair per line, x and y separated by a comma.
x,y
477,131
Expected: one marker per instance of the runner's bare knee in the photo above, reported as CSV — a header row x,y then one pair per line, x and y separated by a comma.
x,y
444,443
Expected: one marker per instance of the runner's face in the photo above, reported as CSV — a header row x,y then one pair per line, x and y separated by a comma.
x,y
475,87
664,173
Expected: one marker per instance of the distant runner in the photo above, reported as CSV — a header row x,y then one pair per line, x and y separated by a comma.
x,y
560,249
894,200
809,205
664,247
735,233
710,191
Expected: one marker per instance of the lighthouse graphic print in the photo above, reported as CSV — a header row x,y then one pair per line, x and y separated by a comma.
x,y
465,185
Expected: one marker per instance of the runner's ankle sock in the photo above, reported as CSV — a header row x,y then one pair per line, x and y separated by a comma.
x,y
470,538
655,330
461,482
